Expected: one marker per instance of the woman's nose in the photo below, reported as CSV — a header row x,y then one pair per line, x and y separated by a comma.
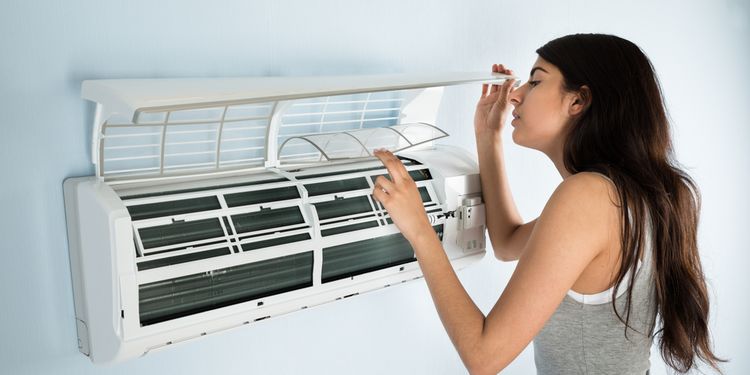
x,y
515,96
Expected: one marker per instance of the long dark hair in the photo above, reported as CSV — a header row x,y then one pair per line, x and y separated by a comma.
x,y
624,134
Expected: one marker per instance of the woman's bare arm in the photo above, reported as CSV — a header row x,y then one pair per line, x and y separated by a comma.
x,y
572,230
508,233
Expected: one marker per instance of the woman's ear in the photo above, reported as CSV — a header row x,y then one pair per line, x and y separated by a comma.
x,y
581,101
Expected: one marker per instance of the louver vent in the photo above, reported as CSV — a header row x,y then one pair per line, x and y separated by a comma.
x,y
356,258
191,294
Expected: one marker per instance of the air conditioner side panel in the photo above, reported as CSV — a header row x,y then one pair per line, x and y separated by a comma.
x,y
458,186
97,224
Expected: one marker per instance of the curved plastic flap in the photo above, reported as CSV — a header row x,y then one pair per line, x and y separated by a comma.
x,y
359,143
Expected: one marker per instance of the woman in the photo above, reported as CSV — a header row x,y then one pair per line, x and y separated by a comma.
x,y
615,244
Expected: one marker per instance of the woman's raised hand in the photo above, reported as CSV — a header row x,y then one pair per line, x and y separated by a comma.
x,y
493,106
400,197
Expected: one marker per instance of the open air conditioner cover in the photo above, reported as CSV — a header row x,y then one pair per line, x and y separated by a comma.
x,y
218,203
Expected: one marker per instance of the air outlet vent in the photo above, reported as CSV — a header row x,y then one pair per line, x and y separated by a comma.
x,y
192,294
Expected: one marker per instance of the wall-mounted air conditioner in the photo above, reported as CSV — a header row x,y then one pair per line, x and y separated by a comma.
x,y
220,202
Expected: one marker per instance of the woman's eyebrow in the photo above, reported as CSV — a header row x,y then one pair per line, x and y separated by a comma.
x,y
537,68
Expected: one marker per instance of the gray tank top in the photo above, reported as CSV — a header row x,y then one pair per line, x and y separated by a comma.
x,y
588,338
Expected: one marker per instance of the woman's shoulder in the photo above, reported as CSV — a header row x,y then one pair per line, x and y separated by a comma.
x,y
592,190
582,214
589,176
588,181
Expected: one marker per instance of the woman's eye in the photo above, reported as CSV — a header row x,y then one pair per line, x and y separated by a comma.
x,y
533,83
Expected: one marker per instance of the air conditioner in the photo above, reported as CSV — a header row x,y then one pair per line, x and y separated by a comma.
x,y
217,203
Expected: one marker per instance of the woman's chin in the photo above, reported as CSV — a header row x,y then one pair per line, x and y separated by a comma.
x,y
516,138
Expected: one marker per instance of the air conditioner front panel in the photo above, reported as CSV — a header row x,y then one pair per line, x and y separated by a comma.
x,y
259,249
174,231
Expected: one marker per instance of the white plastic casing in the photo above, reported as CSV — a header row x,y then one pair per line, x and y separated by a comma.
x,y
105,247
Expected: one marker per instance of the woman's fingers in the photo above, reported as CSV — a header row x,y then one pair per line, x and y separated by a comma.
x,y
394,166
491,87
383,184
380,196
499,68
505,90
488,89
507,85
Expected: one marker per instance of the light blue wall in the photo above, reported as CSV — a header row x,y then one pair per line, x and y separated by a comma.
x,y
700,50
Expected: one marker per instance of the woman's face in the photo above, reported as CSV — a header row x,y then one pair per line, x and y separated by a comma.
x,y
542,109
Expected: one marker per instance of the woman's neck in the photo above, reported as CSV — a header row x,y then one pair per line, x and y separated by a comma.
x,y
556,155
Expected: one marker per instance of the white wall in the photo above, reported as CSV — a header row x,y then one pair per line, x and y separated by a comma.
x,y
700,50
